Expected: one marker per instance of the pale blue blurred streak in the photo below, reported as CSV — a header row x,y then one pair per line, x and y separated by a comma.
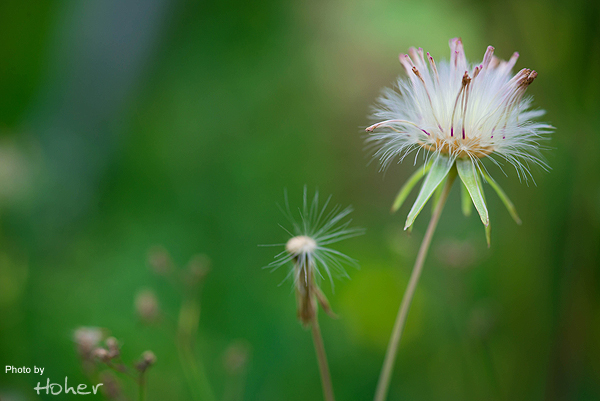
x,y
100,53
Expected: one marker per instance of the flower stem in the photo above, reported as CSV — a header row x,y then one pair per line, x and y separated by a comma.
x,y
142,387
194,371
322,360
392,349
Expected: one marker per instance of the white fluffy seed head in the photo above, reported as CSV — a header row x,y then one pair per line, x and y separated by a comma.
x,y
458,109
308,251
311,235
300,244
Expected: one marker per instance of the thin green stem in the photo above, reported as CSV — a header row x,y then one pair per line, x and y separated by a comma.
x,y
322,360
142,387
193,369
392,349
121,368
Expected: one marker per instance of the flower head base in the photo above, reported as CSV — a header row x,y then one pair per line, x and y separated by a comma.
x,y
308,252
300,244
459,113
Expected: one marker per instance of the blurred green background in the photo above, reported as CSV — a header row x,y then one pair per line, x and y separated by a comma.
x,y
128,124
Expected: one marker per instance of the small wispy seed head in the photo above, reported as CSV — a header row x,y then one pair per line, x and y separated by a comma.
x,y
308,250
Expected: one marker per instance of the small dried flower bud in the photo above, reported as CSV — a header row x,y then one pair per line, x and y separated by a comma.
x,y
113,347
148,359
160,260
102,354
146,306
197,269
87,339
236,357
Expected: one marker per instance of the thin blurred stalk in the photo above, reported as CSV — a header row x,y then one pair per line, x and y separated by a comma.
x,y
322,360
194,371
491,370
235,362
140,379
142,388
392,349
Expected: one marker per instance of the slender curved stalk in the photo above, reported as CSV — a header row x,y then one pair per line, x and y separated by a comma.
x,y
194,371
142,387
322,359
390,354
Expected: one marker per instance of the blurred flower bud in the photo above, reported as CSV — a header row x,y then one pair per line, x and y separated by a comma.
x,y
113,347
235,357
197,269
102,354
148,359
456,254
160,260
86,340
146,306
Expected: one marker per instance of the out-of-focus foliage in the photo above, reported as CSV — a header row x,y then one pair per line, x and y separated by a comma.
x,y
127,124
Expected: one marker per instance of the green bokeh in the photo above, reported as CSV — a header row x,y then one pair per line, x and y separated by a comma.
x,y
126,124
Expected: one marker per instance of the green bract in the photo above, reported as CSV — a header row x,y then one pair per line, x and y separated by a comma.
x,y
409,185
435,173
439,170
470,178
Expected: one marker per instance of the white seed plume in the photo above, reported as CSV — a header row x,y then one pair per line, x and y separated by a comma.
x,y
457,109
309,239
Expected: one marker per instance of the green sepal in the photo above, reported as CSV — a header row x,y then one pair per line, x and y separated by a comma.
x,y
409,185
469,176
439,170
480,183
502,195
465,198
